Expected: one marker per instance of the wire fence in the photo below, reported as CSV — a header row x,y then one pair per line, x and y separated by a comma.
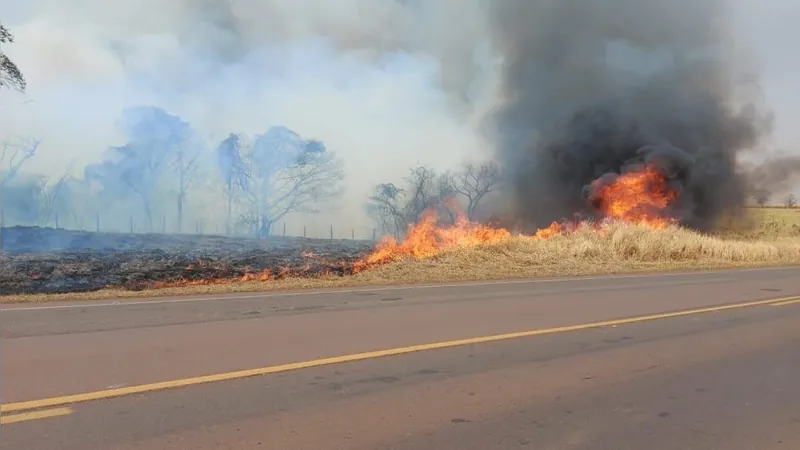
x,y
199,226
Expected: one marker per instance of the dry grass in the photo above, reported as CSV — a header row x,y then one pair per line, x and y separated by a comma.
x,y
619,249
767,223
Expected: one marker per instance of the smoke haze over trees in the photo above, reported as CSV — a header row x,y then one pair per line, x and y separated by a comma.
x,y
151,176
259,110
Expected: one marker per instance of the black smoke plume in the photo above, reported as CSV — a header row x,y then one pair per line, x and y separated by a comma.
x,y
595,87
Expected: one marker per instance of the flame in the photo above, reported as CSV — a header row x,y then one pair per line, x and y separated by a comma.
x,y
426,239
640,197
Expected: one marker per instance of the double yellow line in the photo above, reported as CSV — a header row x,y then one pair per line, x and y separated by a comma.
x,y
37,409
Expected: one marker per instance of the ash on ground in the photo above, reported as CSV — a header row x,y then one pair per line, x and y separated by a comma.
x,y
46,260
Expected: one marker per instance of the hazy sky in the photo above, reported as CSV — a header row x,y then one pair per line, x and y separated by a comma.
x,y
385,83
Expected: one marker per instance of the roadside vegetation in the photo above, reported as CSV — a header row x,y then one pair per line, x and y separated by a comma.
x,y
771,239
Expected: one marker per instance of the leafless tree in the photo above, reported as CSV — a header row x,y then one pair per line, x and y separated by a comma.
x,y
143,182
13,156
385,205
235,173
289,175
185,163
395,208
10,75
791,201
305,187
762,199
427,190
51,194
141,166
474,183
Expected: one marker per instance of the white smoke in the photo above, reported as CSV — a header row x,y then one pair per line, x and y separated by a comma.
x,y
384,83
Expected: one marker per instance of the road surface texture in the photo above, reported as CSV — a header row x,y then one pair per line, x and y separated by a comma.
x,y
679,361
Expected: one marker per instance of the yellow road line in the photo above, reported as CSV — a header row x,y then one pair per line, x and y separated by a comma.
x,y
35,415
143,388
789,301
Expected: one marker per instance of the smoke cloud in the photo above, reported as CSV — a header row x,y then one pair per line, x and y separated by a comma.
x,y
385,84
596,88
559,92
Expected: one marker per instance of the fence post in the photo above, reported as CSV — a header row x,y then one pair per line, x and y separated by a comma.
x,y
331,232
56,220
304,231
284,229
164,224
353,234
97,222
374,232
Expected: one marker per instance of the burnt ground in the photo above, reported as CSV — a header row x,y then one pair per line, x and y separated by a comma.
x,y
46,260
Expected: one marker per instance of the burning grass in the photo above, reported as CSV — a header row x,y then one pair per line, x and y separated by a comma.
x,y
637,233
613,247
619,248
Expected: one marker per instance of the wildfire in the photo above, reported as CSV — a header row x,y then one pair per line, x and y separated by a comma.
x,y
640,197
426,239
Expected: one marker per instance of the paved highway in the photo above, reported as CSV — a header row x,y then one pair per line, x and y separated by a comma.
x,y
702,360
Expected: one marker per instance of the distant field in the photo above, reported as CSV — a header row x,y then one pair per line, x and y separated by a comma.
x,y
769,223
791,215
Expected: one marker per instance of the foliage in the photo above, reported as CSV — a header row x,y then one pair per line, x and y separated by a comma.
x,y
10,75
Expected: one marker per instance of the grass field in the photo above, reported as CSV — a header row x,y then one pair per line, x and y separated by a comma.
x,y
764,237
767,223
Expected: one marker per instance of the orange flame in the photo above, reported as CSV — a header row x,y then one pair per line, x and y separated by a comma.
x,y
640,197
426,239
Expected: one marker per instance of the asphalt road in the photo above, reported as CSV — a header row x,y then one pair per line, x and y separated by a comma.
x,y
680,361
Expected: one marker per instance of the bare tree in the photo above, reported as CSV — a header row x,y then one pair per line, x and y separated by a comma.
x,y
791,201
156,140
235,174
137,172
289,174
427,190
185,163
12,157
474,182
10,75
395,208
51,195
303,187
385,205
762,199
